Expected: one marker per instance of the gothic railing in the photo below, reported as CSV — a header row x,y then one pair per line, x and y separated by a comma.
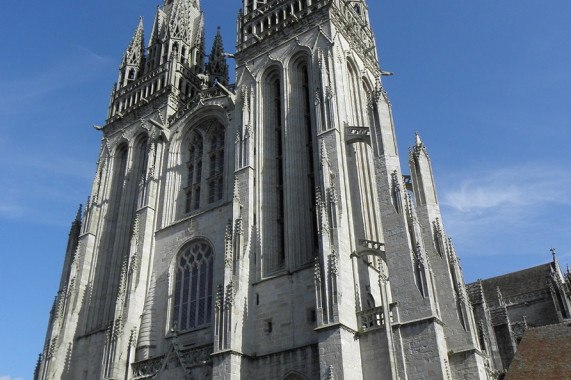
x,y
537,295
146,78
150,368
130,96
273,16
371,319
357,134
147,368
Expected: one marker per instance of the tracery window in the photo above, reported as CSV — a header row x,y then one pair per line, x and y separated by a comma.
x,y
193,287
194,173
216,158
204,157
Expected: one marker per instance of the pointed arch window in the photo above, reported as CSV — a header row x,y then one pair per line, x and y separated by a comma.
x,y
272,182
216,158
204,181
192,304
194,173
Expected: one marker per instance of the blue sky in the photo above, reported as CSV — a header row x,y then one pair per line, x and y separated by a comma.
x,y
486,83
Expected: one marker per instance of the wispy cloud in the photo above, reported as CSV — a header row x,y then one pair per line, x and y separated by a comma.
x,y
510,189
98,57
76,68
11,378
12,210
508,210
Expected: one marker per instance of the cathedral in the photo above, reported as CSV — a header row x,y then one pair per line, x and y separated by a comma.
x,y
262,229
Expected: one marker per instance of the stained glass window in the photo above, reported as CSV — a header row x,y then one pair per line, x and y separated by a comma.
x,y
193,287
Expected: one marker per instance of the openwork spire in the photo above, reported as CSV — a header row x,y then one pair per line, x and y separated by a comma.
x,y
135,53
217,66
159,27
184,20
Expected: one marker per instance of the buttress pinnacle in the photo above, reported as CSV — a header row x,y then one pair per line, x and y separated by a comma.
x,y
418,141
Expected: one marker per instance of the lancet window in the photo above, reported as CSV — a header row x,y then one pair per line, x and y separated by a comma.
x,y
300,182
194,172
216,161
309,149
192,303
357,105
420,272
277,112
273,221
204,181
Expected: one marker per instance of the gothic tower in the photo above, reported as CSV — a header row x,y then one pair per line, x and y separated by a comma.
x,y
262,230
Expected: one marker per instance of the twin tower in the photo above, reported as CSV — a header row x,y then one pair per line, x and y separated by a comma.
x,y
262,230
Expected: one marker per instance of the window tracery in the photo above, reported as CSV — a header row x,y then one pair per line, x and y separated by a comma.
x,y
192,306
194,173
204,182
216,158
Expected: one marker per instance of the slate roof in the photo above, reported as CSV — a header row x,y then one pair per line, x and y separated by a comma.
x,y
516,283
544,353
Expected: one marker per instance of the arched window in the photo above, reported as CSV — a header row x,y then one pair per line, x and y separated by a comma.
x,y
216,158
300,178
194,173
273,223
193,287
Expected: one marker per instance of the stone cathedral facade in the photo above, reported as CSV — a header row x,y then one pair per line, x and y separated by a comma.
x,y
263,229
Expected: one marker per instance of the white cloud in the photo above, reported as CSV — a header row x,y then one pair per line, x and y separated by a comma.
x,y
510,188
517,210
12,210
93,55
10,378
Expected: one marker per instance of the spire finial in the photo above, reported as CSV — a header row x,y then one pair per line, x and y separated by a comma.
x,y
418,141
555,261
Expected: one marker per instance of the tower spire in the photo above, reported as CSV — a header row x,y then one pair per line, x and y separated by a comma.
x,y
217,66
183,20
157,26
133,58
177,35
